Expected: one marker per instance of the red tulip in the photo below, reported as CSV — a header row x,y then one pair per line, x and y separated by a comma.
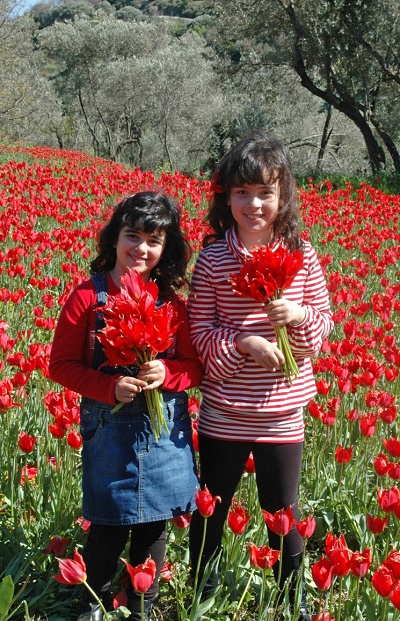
x,y
392,561
306,527
26,442
166,573
395,595
182,521
250,466
389,499
280,522
264,557
392,446
72,571
383,581
381,465
143,575
322,574
205,502
360,562
368,424
376,524
238,519
74,439
343,455
322,616
56,546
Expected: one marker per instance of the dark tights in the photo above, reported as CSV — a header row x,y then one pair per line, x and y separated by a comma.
x,y
277,475
105,545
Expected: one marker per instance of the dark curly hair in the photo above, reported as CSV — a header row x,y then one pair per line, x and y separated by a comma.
x,y
148,212
257,159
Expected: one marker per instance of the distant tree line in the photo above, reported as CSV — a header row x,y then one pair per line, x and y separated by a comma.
x,y
172,83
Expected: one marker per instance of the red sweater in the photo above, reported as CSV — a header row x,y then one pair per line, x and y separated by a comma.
x,y
71,355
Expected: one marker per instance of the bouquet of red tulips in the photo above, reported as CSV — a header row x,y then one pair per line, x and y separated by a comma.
x,y
264,277
136,331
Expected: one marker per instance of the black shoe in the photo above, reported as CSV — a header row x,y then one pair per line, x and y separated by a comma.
x,y
304,616
95,613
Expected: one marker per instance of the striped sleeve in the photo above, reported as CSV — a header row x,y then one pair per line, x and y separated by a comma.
x,y
213,342
306,339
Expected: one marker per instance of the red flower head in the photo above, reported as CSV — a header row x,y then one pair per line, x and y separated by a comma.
x,y
26,442
393,563
280,522
72,571
383,581
143,575
395,595
306,527
250,466
264,557
205,502
392,446
56,546
167,571
343,455
381,465
182,521
360,562
377,524
339,554
389,499
322,574
74,439
238,519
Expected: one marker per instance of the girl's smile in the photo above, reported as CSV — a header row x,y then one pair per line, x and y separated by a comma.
x,y
138,250
254,208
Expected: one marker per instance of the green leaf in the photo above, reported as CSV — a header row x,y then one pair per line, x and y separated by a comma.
x,y
6,595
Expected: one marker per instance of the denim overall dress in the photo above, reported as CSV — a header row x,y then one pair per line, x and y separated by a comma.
x,y
127,477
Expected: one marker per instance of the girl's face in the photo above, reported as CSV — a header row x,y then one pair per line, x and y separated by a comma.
x,y
138,250
254,208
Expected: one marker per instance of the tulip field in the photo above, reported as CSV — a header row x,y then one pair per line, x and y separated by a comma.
x,y
52,204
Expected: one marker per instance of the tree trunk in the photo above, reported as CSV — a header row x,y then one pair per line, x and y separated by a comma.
x,y
326,134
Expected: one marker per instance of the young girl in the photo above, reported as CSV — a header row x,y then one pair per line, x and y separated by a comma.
x,y
131,484
248,405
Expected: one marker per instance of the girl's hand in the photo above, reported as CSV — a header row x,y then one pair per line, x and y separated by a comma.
x,y
153,374
282,312
127,388
265,353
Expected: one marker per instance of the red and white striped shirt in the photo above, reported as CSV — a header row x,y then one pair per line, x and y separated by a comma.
x,y
241,399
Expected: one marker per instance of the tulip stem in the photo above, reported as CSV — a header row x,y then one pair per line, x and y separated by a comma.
x,y
340,598
196,578
280,562
98,600
244,594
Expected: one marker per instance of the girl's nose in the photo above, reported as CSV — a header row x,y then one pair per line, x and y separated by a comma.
x,y
255,201
141,247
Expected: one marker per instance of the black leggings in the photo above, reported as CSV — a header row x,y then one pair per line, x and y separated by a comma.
x,y
277,475
105,544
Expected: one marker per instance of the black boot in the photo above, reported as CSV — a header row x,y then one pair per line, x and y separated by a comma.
x,y
94,613
298,582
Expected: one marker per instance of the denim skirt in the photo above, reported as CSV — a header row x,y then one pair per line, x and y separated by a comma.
x,y
128,477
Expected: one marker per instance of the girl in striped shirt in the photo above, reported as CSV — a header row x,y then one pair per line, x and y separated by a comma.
x,y
248,404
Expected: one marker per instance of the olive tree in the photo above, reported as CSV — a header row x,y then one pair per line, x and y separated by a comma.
x,y
27,99
144,95
345,53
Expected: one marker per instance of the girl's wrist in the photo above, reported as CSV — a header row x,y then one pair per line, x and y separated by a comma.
x,y
301,319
